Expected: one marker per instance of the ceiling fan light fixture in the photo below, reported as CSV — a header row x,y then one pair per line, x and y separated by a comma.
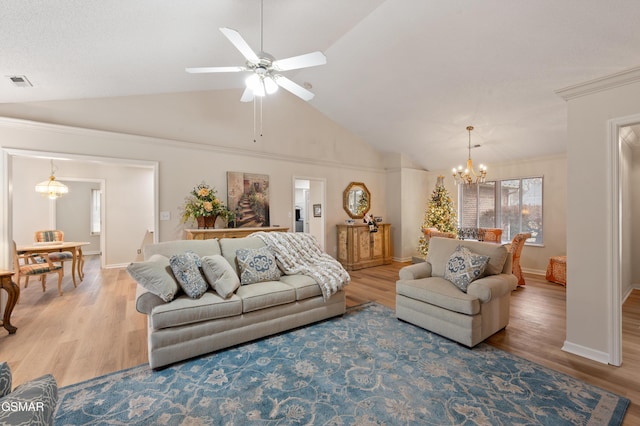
x,y
253,82
270,85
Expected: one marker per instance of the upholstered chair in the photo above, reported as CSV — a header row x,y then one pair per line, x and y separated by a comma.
x,y
516,250
492,235
433,232
35,266
42,393
51,236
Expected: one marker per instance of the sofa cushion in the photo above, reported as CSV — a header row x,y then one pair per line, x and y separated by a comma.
x,y
220,275
464,267
439,292
257,265
265,295
305,286
229,246
185,310
5,379
441,248
169,248
156,276
186,268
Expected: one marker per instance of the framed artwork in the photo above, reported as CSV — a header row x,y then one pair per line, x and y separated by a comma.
x,y
317,210
248,199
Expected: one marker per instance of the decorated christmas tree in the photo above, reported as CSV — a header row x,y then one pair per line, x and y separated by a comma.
x,y
440,214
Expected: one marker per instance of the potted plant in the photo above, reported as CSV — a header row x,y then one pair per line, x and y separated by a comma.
x,y
202,205
230,218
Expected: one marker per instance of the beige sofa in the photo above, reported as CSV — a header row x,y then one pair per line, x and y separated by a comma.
x,y
425,298
186,327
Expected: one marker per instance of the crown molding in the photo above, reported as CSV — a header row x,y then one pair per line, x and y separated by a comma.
x,y
608,82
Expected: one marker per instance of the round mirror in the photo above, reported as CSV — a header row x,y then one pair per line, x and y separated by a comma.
x,y
356,200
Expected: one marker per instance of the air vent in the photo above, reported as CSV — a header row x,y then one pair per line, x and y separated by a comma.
x,y
20,81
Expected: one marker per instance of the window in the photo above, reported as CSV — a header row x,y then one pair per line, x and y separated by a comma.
x,y
513,205
95,212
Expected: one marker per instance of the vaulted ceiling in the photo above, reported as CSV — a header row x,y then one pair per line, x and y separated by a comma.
x,y
407,76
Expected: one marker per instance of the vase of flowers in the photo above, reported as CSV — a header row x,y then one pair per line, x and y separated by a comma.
x,y
202,205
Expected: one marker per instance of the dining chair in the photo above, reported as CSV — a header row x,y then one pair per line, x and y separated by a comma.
x,y
50,236
32,266
517,244
433,232
491,235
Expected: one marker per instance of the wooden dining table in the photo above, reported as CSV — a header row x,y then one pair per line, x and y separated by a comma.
x,y
75,247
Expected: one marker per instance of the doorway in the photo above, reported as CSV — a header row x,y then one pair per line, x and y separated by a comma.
x,y
79,213
624,135
128,199
309,207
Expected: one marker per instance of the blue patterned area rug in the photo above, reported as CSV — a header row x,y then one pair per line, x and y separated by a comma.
x,y
365,368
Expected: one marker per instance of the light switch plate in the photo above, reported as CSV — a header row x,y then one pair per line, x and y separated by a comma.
x,y
165,215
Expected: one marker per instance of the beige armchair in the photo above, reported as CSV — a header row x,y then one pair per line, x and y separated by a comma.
x,y
425,298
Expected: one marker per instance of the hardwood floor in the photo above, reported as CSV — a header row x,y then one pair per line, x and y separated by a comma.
x,y
94,329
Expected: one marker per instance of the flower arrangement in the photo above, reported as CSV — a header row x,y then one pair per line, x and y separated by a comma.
x,y
202,202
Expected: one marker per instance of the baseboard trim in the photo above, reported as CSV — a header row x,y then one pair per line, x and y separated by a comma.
x,y
538,272
585,352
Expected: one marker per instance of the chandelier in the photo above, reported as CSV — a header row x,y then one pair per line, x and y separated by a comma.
x,y
52,188
469,175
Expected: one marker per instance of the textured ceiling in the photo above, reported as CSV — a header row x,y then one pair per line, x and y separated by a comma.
x,y
405,75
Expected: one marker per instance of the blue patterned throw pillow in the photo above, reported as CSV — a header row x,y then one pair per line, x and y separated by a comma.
x,y
257,265
464,267
186,268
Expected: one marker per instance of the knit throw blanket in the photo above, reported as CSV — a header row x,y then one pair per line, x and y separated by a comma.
x,y
300,253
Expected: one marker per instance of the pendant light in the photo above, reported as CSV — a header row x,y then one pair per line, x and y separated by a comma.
x,y
52,188
469,175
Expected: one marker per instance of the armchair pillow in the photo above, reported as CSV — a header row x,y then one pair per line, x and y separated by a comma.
x,y
464,267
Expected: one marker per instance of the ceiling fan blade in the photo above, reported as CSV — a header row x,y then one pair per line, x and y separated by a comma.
x,y
294,88
236,39
201,70
247,95
303,61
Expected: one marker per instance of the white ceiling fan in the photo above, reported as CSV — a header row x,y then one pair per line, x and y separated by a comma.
x,y
264,68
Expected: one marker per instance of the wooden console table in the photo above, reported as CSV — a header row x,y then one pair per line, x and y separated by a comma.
x,y
14,292
358,248
207,234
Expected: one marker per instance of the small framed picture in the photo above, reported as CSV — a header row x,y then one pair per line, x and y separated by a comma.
x,y
317,210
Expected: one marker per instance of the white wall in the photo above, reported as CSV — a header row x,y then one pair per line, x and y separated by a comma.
x,y
213,132
634,235
73,214
591,331
127,189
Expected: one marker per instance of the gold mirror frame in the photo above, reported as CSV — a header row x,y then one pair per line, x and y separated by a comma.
x,y
356,200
